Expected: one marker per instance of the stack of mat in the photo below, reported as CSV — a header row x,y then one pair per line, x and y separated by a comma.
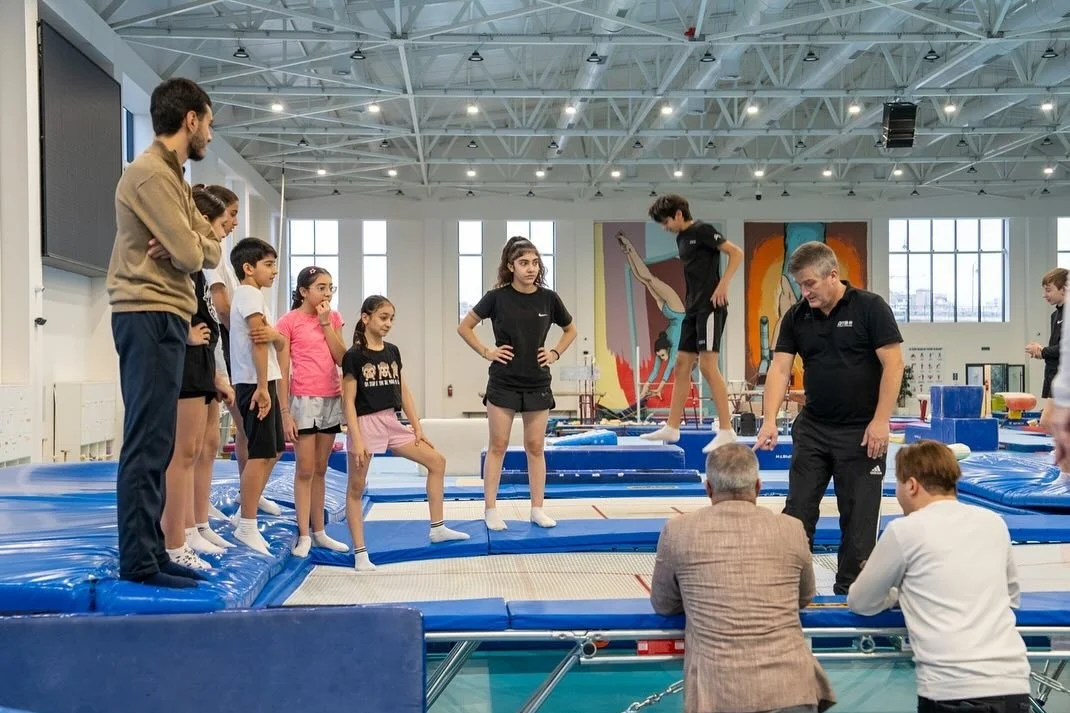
x,y
956,418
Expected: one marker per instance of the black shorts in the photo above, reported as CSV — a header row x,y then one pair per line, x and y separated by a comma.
x,y
224,335
266,439
313,430
1045,391
198,373
701,330
520,401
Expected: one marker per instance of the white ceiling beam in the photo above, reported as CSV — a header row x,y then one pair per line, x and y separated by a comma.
x,y
507,15
308,17
414,114
161,14
927,17
672,36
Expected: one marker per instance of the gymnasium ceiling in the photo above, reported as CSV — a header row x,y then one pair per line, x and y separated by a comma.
x,y
579,99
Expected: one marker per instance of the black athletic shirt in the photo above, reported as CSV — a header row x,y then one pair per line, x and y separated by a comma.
x,y
378,375
1050,353
205,313
841,371
700,252
521,321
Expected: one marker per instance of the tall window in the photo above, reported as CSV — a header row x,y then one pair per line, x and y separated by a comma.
x,y
1062,238
469,265
374,257
952,270
314,242
540,232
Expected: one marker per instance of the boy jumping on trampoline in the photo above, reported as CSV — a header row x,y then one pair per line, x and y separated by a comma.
x,y
373,391
705,312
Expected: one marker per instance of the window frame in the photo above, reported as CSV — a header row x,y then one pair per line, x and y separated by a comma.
x,y
365,254
552,262
316,255
1062,251
461,255
955,252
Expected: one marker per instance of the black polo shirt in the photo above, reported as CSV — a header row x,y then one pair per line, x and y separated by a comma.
x,y
700,252
841,371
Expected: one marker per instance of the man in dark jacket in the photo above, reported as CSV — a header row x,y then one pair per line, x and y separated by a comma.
x,y
1054,285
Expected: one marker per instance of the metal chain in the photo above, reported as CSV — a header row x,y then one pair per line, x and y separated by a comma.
x,y
655,697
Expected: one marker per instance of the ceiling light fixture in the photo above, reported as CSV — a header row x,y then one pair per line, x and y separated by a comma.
x,y
811,56
1049,53
240,53
615,173
827,173
475,56
570,110
897,172
374,108
678,173
472,108
357,55
1047,106
277,107
471,173
321,171
854,109
540,173
593,58
392,172
666,109
707,58
931,55
758,173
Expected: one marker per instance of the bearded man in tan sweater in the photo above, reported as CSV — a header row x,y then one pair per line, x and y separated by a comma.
x,y
161,239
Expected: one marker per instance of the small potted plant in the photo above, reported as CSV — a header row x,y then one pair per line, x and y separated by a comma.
x,y
906,386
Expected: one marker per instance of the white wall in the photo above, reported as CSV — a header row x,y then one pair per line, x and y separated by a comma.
x,y
422,249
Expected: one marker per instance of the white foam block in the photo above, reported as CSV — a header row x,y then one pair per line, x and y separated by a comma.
x,y
961,450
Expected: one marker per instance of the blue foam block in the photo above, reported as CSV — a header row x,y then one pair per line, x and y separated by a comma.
x,y
403,541
917,432
1025,441
595,437
236,579
55,576
980,434
606,477
955,401
636,457
57,663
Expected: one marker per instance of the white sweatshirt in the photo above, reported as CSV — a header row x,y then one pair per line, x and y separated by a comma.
x,y
956,579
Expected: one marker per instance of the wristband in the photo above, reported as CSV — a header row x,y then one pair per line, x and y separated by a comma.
x,y
557,353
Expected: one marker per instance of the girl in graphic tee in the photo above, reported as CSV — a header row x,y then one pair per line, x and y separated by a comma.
x,y
521,310
373,391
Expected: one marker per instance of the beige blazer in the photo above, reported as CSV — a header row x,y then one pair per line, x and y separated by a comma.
x,y
740,573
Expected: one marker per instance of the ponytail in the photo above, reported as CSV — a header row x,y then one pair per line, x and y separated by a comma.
x,y
372,303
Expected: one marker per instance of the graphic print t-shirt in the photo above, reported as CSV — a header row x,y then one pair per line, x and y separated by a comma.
x,y
522,321
205,313
700,252
378,375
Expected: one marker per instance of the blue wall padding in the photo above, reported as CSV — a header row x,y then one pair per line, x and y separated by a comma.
x,y
917,432
955,401
594,437
606,477
634,457
403,541
980,434
226,661
236,578
1025,441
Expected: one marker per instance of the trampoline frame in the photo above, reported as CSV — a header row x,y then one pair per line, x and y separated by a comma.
x,y
585,652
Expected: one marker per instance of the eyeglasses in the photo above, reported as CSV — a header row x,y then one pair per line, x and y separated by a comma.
x,y
326,288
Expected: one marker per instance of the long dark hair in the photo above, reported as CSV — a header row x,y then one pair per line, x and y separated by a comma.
x,y
208,203
370,305
305,278
514,248
223,193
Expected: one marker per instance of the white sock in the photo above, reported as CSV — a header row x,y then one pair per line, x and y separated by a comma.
x,y
361,563
542,519
215,512
302,546
188,558
268,506
200,544
212,536
247,533
441,533
668,434
322,539
494,520
723,438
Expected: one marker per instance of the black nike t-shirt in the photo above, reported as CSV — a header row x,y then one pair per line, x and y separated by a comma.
x,y
378,375
205,313
700,252
522,321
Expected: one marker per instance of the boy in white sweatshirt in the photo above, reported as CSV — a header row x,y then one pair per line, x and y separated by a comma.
x,y
950,567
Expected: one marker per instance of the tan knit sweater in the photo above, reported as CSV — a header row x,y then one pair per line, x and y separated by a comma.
x,y
153,201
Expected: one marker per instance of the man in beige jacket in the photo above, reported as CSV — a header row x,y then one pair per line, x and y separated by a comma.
x,y
740,573
161,239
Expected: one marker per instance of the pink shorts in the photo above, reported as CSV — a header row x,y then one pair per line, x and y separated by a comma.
x,y
381,431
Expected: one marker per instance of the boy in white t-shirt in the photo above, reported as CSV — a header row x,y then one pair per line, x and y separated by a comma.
x,y
950,567
255,373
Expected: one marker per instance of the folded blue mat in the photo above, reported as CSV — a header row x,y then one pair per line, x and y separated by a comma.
x,y
464,615
592,437
1024,441
1015,480
54,576
279,660
403,541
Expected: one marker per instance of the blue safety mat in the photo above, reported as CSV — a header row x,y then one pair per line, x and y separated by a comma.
x,y
1015,480
336,460
226,488
629,456
107,664
694,440
606,477
1025,441
403,541
593,437
464,615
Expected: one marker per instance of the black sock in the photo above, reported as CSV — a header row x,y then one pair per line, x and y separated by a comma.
x,y
177,570
161,579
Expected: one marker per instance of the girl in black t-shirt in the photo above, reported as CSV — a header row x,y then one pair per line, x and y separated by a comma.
x,y
521,310
373,390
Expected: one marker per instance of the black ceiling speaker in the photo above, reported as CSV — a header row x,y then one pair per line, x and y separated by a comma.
x,y
897,129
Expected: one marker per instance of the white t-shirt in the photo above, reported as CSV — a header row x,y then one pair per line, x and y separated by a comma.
x,y
222,275
957,583
245,302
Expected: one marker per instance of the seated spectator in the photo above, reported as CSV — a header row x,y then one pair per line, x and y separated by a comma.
x,y
740,573
951,569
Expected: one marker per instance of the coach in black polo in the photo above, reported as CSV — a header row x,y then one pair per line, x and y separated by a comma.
x,y
852,366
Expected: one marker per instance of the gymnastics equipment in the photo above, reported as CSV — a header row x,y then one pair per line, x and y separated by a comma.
x,y
1015,403
460,439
